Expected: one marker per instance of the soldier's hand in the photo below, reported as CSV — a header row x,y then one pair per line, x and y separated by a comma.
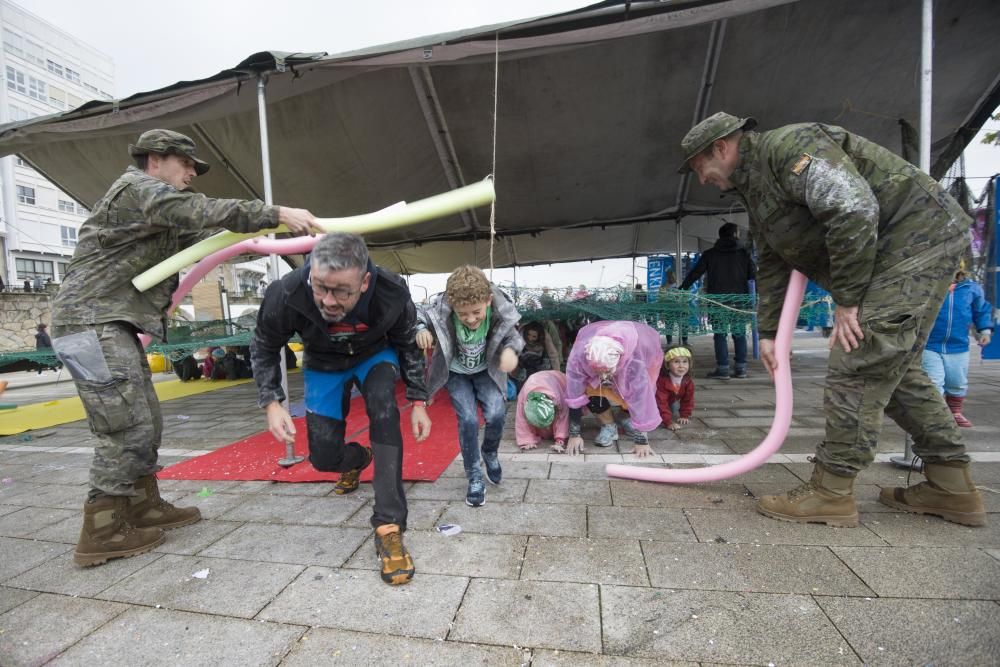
x,y
279,423
767,356
846,328
420,422
299,221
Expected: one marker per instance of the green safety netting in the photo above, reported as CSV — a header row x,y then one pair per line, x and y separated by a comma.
x,y
671,312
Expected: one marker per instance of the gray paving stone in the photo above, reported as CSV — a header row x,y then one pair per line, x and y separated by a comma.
x,y
546,658
231,588
421,514
189,540
66,475
993,552
27,521
922,572
574,468
316,489
737,422
918,632
7,509
61,575
571,492
323,645
360,600
709,626
519,519
585,560
277,543
639,523
751,527
20,555
465,554
453,489
804,570
66,531
905,529
170,638
534,614
295,510
49,495
39,629
650,494
211,506
520,469
12,597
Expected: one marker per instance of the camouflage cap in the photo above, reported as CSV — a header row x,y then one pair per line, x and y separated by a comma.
x,y
716,126
166,142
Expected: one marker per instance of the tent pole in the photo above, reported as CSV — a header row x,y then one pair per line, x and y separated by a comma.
x,y
265,157
926,77
678,262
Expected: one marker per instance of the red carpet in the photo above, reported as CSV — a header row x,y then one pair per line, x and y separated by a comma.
x,y
256,457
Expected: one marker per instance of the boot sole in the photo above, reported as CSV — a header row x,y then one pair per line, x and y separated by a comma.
x,y
88,560
974,519
171,526
832,521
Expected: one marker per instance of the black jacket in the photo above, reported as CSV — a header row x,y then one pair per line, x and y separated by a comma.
x,y
729,269
288,308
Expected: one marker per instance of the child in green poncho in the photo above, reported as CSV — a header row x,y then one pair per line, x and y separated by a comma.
x,y
477,344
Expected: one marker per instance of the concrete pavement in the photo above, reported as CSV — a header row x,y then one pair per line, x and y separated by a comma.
x,y
561,566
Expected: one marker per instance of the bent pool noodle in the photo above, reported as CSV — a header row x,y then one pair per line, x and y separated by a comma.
x,y
470,196
782,412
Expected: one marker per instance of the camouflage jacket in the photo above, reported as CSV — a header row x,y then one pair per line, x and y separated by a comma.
x,y
389,318
838,208
140,222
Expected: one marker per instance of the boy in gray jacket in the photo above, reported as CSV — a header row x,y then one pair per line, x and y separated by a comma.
x,y
473,323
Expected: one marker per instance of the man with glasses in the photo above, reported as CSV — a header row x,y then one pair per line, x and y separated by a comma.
x,y
358,326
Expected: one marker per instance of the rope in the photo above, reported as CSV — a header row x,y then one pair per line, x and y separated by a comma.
x,y
493,174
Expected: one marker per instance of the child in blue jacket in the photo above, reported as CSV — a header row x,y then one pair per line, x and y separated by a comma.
x,y
946,357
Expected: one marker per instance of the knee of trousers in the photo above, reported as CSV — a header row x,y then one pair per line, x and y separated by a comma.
x,y
326,442
379,391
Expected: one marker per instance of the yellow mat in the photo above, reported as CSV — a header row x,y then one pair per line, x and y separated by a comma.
x,y
65,410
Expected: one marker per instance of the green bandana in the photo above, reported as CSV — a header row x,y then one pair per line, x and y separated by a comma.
x,y
467,336
539,409
470,348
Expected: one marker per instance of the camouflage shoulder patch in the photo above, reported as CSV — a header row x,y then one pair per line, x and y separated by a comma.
x,y
801,164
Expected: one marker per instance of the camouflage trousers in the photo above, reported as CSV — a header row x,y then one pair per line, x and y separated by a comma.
x,y
123,413
884,375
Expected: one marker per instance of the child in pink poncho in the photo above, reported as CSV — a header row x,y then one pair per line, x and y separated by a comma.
x,y
552,386
614,363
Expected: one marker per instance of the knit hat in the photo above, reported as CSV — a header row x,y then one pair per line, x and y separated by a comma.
x,y
539,409
676,352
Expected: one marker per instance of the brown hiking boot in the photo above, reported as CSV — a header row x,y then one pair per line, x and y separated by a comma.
x,y
948,493
107,534
825,498
397,566
148,510
350,480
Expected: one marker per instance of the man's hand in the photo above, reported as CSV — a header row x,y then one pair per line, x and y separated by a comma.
x,y
425,339
508,360
642,451
574,445
420,422
767,356
279,423
984,337
299,221
846,329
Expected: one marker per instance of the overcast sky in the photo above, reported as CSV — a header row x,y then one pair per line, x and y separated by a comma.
x,y
155,44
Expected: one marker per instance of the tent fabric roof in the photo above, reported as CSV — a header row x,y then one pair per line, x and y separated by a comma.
x,y
591,109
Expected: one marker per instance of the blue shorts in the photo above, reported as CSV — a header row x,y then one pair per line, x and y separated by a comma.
x,y
325,390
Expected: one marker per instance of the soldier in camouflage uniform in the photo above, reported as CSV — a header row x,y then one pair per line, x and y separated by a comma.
x,y
146,216
884,239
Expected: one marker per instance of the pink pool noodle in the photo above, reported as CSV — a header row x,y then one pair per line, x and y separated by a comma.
x,y
262,246
782,412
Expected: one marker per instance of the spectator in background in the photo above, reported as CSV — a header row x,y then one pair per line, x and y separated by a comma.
x,y
946,357
730,270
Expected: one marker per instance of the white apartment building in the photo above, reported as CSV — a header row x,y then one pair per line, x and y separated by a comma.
x,y
46,70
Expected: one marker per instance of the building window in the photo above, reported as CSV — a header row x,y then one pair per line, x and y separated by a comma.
x,y
17,113
19,161
15,80
13,43
34,53
67,207
82,210
63,268
37,89
55,68
26,195
72,75
27,269
68,236
57,97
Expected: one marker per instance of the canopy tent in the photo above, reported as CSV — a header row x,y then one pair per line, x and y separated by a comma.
x,y
591,107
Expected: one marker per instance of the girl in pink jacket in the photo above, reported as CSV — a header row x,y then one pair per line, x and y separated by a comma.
x,y
541,411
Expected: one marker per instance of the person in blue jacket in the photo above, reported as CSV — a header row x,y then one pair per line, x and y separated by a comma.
x,y
946,357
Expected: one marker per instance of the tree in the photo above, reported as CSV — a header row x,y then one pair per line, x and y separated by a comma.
x,y
993,137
